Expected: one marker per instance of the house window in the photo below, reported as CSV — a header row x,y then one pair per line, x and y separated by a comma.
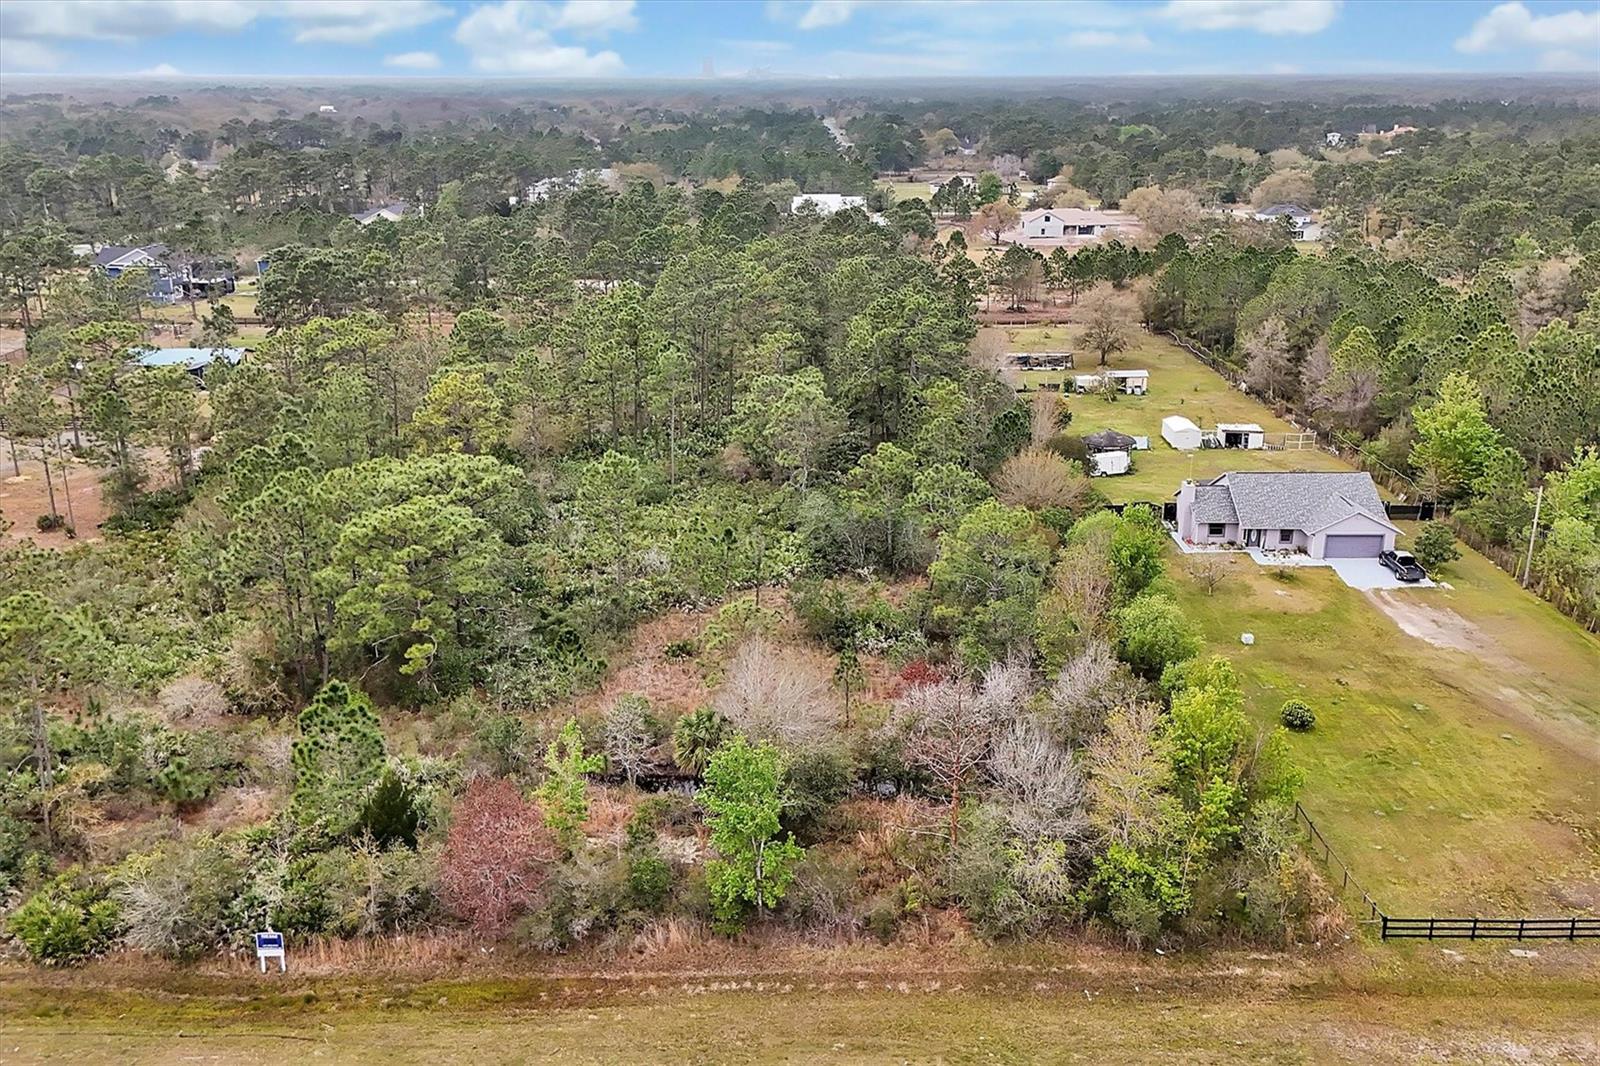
x,y
1285,536
1216,529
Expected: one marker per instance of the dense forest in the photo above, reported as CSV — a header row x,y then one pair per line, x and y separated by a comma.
x,y
338,665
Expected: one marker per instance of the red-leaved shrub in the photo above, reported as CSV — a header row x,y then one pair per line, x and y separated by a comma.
x,y
496,855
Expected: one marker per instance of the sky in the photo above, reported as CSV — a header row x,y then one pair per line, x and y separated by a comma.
x,y
619,39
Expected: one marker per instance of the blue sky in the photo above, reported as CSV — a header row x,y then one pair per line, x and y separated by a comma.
x,y
813,38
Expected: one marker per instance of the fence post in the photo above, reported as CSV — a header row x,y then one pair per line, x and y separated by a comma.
x,y
1572,929
1430,928
1384,935
1474,935
1522,927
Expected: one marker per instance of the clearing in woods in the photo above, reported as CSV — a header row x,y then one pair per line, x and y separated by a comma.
x,y
1179,385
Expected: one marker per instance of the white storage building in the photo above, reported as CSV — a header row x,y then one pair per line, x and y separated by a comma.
x,y
1241,435
1181,433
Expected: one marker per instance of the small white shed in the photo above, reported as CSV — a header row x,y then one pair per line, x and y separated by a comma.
x,y
1181,433
1241,435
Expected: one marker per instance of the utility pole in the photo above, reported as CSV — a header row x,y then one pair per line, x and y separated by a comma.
x,y
1527,566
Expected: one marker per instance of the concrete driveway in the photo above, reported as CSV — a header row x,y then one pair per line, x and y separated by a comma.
x,y
1369,574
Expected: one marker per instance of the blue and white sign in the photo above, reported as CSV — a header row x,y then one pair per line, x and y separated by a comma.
x,y
269,945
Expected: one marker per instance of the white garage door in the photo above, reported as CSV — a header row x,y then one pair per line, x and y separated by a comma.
x,y
1350,546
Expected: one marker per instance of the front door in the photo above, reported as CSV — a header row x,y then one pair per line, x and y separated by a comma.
x,y
1252,538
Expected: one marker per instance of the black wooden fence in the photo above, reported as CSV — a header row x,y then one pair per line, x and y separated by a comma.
x,y
1437,928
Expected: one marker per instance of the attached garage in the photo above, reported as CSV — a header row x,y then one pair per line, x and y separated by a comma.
x,y
1352,545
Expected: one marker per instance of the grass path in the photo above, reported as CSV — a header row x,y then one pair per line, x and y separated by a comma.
x,y
1480,1006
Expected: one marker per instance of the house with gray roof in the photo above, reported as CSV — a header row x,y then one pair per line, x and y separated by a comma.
x,y
1326,515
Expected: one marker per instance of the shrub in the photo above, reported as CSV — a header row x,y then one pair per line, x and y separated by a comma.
x,y
1153,632
649,879
49,523
495,857
1298,715
695,736
389,814
814,781
680,649
1435,546
66,921
184,900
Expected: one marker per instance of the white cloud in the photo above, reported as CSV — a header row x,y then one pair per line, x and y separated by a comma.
x,y
1133,40
160,70
514,37
413,61
1275,17
20,56
353,21
312,21
1560,39
823,13
595,18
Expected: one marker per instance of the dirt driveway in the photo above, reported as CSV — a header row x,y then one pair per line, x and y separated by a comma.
x,y
1518,688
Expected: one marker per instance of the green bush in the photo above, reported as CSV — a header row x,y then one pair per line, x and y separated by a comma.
x,y
1435,546
68,920
49,523
1298,715
389,814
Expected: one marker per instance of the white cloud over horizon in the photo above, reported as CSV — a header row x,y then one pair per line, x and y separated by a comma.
x,y
515,37
1275,18
413,60
1558,40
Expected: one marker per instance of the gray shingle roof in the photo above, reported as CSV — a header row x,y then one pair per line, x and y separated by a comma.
x,y
1300,500
1214,503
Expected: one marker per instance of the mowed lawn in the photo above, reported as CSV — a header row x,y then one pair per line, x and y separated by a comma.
x,y
1455,767
1179,385
1456,758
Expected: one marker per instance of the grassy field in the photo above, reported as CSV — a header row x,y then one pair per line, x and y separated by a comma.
x,y
1455,766
1266,1009
918,190
1179,385
1456,759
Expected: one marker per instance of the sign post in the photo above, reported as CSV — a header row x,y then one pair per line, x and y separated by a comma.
x,y
269,945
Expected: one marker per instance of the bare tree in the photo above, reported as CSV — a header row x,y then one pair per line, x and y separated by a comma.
x,y
1087,583
948,732
1047,412
993,219
1208,571
1110,322
773,694
950,726
1270,368
1088,688
1037,478
629,735
1045,794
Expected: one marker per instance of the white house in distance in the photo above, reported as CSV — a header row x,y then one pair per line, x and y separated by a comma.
x,y
1301,220
1181,433
386,213
1327,515
826,203
1132,382
1067,223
